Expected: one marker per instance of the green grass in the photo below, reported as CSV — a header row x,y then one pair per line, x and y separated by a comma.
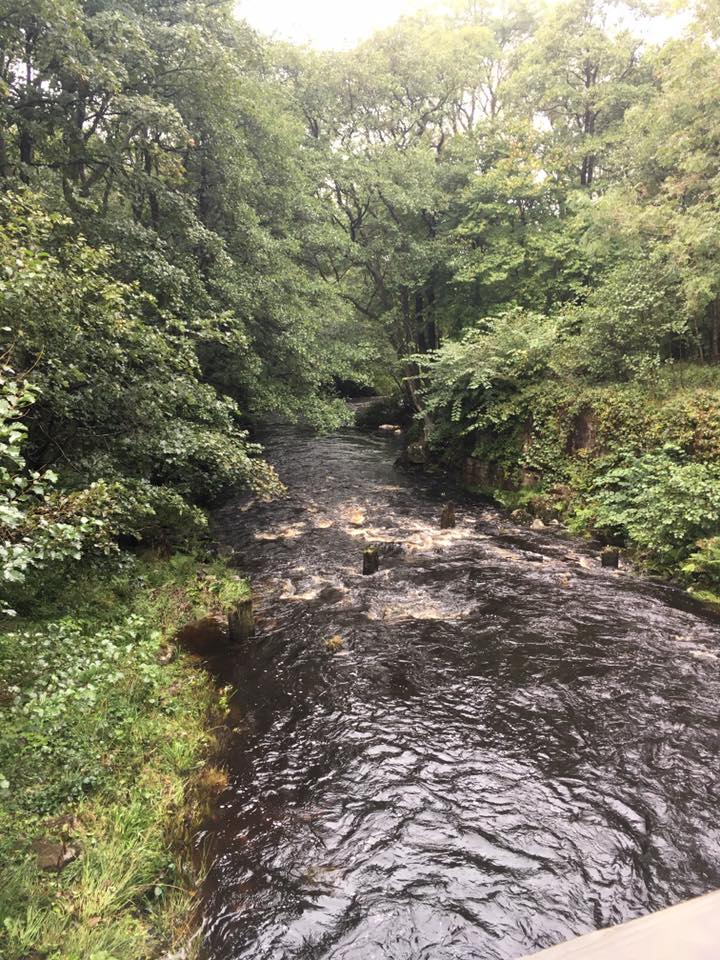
x,y
104,747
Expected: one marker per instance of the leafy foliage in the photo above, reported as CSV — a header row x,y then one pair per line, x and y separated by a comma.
x,y
470,377
662,502
117,381
110,430
97,744
510,213
38,525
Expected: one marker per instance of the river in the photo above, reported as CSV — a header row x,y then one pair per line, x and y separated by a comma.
x,y
487,747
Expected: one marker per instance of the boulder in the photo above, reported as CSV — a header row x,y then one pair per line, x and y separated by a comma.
x,y
485,474
537,524
447,517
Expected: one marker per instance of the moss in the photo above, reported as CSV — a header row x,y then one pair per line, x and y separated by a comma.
x,y
334,643
232,592
109,757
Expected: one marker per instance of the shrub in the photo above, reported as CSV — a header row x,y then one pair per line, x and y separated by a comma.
x,y
703,564
662,501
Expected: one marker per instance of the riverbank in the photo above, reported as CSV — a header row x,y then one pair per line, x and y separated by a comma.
x,y
634,465
105,767
631,464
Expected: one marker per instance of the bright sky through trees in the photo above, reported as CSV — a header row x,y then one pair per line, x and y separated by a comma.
x,y
329,24
323,23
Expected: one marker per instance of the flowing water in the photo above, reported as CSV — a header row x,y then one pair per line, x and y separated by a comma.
x,y
485,748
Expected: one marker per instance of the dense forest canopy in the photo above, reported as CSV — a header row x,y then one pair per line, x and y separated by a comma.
x,y
200,228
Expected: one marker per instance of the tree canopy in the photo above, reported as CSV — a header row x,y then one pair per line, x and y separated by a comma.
x,y
201,228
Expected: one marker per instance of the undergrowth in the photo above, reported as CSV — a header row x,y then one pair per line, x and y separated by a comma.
x,y
634,464
103,747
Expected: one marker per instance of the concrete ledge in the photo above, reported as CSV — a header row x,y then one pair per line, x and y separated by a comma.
x,y
689,931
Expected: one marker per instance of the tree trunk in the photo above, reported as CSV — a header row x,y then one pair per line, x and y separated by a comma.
x,y
588,165
698,340
4,166
715,330
152,195
420,323
432,334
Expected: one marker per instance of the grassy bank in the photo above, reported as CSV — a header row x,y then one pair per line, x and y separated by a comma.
x,y
636,464
103,758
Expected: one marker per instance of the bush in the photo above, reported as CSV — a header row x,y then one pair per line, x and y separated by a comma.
x,y
472,383
44,531
704,563
622,331
117,385
662,501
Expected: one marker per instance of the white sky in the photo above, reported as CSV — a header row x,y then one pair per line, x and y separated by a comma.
x,y
323,23
334,24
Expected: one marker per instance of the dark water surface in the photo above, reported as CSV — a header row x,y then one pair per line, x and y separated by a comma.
x,y
505,747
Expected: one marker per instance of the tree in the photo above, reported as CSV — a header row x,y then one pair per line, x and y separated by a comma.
x,y
579,76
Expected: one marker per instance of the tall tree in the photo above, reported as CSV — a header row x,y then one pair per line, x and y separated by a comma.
x,y
578,76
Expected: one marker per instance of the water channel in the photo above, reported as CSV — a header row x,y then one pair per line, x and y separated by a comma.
x,y
489,746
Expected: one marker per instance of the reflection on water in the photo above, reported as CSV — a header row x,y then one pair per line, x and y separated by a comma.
x,y
485,748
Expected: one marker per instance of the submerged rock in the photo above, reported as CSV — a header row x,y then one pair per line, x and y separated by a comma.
x,y
533,557
391,548
331,594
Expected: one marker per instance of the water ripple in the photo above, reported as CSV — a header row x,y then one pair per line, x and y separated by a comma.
x,y
503,746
